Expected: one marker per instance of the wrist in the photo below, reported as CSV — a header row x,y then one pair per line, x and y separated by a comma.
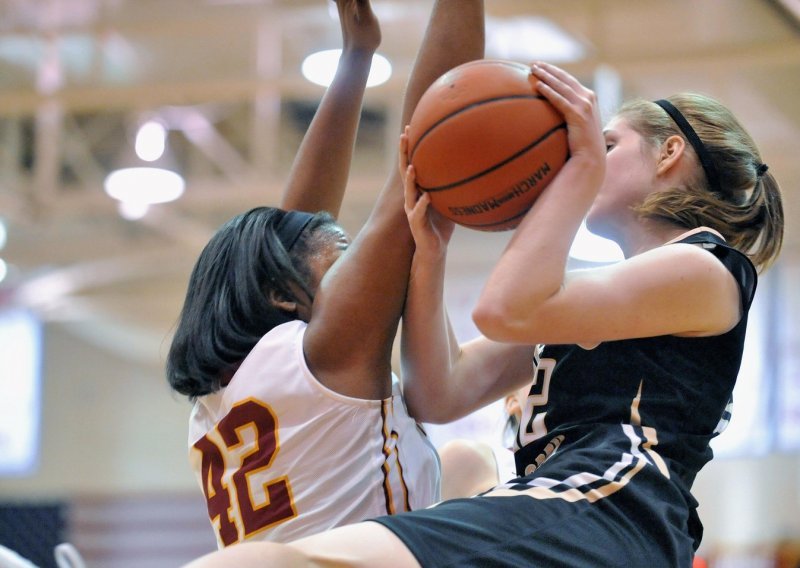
x,y
358,52
428,260
583,173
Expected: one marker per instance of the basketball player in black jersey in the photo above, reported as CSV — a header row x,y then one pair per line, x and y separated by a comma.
x,y
639,358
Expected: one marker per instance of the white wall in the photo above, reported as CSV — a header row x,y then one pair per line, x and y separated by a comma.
x,y
108,425
749,502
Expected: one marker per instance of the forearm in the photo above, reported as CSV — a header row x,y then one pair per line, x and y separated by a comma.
x,y
445,380
455,35
531,270
429,348
326,152
366,288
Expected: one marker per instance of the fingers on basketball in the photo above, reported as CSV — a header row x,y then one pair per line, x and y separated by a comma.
x,y
485,142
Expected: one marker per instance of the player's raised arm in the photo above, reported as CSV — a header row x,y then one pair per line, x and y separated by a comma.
x,y
358,305
443,380
537,252
320,170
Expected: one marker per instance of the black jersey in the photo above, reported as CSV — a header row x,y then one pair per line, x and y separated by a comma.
x,y
674,393
610,442
679,388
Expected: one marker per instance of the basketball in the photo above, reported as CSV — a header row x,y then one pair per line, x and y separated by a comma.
x,y
484,144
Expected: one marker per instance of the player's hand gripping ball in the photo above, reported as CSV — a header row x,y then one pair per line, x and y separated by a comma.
x,y
484,144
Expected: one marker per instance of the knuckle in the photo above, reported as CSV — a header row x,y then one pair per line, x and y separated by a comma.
x,y
584,106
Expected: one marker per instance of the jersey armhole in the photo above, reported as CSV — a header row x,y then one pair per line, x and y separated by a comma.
x,y
737,263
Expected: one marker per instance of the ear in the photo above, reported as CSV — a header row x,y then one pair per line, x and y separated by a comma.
x,y
512,405
670,154
282,303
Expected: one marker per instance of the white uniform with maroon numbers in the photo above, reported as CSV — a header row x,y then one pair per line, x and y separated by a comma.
x,y
279,456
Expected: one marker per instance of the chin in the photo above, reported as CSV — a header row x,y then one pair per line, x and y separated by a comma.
x,y
598,225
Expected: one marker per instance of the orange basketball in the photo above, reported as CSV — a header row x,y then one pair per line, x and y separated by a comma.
x,y
484,144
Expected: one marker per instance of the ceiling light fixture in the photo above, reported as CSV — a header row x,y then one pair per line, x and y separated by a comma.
x,y
320,68
136,186
144,185
132,210
151,140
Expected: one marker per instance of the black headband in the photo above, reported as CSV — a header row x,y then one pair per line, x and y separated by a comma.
x,y
694,140
291,226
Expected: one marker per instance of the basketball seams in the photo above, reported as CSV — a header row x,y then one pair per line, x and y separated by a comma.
x,y
494,225
465,109
498,63
485,125
498,165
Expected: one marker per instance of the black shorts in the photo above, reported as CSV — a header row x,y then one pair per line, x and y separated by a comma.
x,y
642,521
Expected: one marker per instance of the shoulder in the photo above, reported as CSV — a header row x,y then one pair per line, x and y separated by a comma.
x,y
704,260
280,351
736,263
678,288
697,256
672,266
692,261
284,336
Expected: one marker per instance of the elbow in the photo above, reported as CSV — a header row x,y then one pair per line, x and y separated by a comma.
x,y
495,321
439,416
432,408
508,319
429,413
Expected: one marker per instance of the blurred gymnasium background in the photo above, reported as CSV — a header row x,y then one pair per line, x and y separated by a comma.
x,y
92,442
